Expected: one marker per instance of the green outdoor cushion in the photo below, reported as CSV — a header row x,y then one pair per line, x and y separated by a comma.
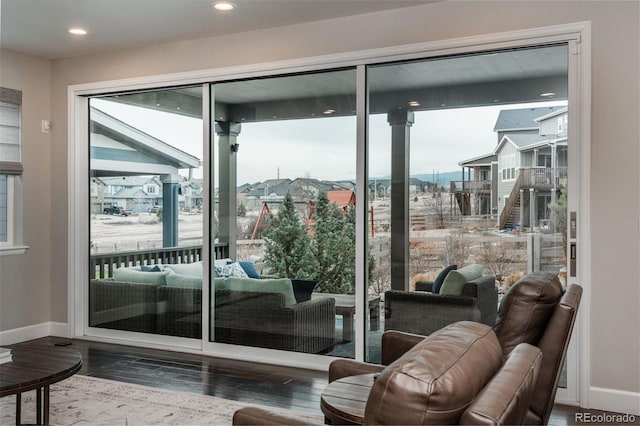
x,y
277,285
193,269
183,281
437,284
136,276
456,279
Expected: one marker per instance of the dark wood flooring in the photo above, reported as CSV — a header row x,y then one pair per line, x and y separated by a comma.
x,y
265,384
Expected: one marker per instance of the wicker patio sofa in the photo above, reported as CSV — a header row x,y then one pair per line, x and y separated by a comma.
x,y
254,318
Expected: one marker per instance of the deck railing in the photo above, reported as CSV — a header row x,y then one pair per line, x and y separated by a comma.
x,y
543,177
103,265
470,186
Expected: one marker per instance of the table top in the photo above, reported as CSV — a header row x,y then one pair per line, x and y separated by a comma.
x,y
36,366
344,401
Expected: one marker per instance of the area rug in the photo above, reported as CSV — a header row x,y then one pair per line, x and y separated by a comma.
x,y
83,400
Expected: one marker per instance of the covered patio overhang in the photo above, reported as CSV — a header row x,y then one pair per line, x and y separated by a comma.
x,y
500,77
118,149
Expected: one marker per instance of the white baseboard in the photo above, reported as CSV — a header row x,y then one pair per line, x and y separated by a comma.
x,y
613,400
35,331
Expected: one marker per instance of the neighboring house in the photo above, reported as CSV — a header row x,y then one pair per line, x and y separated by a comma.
x,y
191,193
130,168
132,193
524,174
473,194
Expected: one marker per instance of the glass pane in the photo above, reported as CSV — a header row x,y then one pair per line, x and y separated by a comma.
x,y
472,173
285,179
3,208
146,225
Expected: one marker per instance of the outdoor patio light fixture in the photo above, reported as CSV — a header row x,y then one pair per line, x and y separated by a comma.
x,y
223,6
77,31
235,147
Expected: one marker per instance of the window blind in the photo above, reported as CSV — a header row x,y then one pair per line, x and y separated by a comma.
x,y
10,156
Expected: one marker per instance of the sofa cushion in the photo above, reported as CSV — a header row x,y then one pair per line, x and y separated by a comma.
x,y
192,269
526,308
183,281
276,285
136,276
456,279
437,284
437,379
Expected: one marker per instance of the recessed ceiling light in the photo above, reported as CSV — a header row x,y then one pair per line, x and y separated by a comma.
x,y
414,103
223,6
547,94
77,31
328,111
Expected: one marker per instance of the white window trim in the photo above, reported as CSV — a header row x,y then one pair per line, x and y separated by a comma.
x,y
577,34
13,245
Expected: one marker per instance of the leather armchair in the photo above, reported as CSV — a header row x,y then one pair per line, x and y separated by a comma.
x,y
536,310
455,376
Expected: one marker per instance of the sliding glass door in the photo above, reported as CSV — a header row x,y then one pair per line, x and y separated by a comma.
x,y
284,200
146,203
466,170
460,161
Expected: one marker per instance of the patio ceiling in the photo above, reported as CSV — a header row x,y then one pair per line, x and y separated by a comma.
x,y
491,78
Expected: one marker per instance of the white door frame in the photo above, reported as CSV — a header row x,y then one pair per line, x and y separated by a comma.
x,y
577,34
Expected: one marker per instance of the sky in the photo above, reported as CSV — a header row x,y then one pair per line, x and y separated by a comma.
x,y
325,148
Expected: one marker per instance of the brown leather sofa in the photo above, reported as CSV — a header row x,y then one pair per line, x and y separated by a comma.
x,y
454,376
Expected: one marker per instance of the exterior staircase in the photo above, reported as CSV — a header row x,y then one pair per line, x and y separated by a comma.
x,y
511,213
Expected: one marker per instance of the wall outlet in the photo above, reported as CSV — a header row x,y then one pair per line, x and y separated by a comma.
x,y
46,126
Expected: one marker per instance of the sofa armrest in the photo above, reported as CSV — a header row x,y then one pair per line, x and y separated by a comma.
x,y
424,286
505,399
347,367
249,416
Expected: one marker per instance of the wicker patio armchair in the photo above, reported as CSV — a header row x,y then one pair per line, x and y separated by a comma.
x,y
421,312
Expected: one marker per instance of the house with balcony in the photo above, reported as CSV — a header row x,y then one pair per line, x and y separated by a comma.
x,y
524,174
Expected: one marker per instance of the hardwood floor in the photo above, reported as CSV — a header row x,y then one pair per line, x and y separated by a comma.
x,y
264,384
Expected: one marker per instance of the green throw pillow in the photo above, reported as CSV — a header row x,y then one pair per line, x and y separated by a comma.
x,y
277,285
129,275
456,279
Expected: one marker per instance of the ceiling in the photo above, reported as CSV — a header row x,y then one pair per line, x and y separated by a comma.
x,y
487,78
38,27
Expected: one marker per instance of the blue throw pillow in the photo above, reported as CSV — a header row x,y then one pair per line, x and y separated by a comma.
x,y
250,269
149,268
437,284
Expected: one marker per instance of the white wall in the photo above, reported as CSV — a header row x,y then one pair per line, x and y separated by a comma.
x,y
615,294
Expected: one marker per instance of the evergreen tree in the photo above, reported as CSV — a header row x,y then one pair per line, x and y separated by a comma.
x,y
334,247
288,245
